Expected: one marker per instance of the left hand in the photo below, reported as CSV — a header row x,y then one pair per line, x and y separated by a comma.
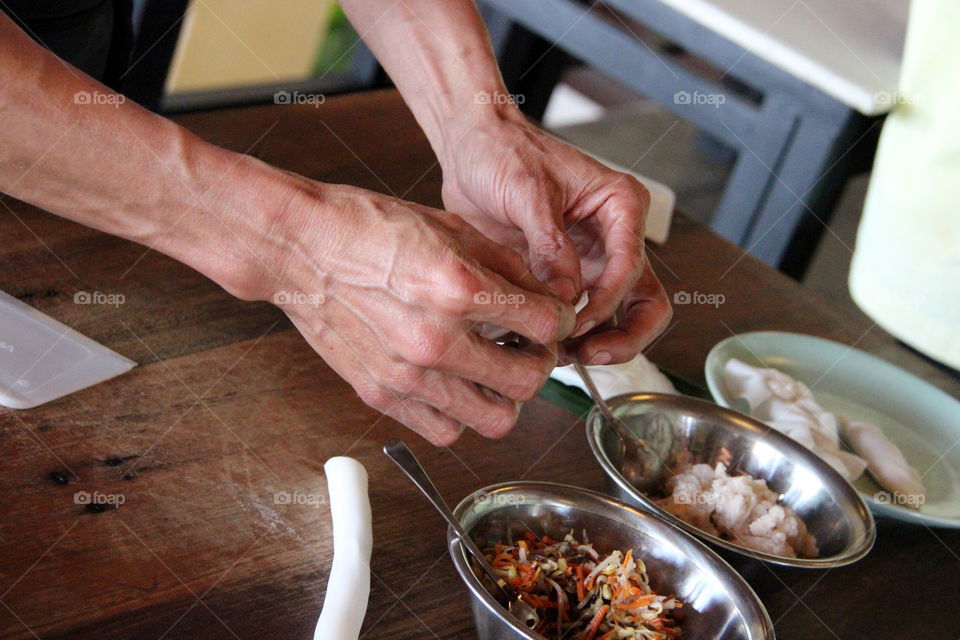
x,y
578,224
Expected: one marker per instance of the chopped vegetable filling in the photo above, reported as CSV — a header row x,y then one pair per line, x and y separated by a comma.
x,y
580,595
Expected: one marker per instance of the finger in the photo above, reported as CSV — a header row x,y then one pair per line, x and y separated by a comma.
x,y
621,218
441,430
355,368
568,350
647,314
540,318
452,347
517,374
506,262
485,296
553,257
486,412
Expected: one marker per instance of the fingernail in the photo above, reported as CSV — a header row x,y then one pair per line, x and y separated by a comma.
x,y
566,289
601,357
568,320
585,327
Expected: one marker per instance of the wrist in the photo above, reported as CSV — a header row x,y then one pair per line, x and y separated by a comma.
x,y
228,218
488,114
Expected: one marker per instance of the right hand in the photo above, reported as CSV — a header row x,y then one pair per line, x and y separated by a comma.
x,y
391,293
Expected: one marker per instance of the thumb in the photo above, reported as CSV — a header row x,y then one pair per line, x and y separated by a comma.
x,y
553,257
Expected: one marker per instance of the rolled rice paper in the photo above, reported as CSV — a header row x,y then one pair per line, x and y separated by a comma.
x,y
348,587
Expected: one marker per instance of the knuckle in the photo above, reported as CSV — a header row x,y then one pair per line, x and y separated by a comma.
x,y
544,321
637,191
376,395
550,244
527,382
457,285
640,192
403,378
423,347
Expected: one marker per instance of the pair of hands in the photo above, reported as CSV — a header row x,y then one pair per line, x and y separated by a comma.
x,y
405,288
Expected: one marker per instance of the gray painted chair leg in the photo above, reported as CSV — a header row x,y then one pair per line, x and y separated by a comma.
x,y
804,191
753,174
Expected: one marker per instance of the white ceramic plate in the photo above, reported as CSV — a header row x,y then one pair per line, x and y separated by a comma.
x,y
916,416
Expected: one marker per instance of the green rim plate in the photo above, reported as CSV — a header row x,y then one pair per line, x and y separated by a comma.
x,y
916,416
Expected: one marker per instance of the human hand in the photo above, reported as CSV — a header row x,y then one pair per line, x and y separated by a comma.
x,y
578,224
389,293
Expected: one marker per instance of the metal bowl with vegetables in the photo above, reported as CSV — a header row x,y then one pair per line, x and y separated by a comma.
x,y
595,568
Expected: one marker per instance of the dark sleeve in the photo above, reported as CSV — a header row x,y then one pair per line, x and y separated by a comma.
x,y
79,31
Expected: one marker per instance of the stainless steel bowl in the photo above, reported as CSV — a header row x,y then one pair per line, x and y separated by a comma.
x,y
718,603
830,507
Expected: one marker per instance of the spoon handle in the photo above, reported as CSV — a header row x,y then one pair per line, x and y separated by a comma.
x,y
396,450
594,392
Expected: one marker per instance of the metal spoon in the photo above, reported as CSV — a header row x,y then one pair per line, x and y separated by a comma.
x,y
635,458
397,451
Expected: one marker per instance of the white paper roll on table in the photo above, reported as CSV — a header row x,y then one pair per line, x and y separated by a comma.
x,y
348,588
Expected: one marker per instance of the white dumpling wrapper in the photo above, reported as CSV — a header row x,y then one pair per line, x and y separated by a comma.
x,y
788,406
348,588
885,462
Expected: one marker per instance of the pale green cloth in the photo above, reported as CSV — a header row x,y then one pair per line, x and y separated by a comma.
x,y
906,267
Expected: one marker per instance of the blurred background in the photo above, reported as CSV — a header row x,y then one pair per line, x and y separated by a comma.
x,y
230,53
763,117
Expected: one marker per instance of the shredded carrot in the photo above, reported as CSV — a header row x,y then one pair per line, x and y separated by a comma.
x,y
595,623
551,574
589,584
642,601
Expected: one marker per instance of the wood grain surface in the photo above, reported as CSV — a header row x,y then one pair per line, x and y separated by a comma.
x,y
230,409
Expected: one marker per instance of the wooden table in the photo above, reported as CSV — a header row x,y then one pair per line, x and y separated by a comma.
x,y
229,407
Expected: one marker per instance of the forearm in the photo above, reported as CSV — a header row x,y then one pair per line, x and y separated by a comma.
x,y
72,147
439,56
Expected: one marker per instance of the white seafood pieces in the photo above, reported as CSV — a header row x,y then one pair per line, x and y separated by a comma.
x,y
739,508
790,407
885,462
